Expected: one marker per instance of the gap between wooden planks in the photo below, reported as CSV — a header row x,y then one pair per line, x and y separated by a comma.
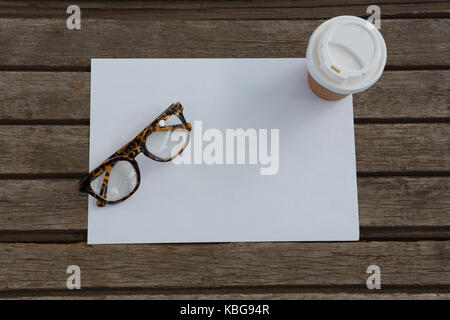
x,y
223,10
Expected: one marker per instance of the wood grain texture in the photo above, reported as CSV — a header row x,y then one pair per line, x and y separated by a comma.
x,y
30,206
31,96
224,265
404,201
201,4
229,10
402,147
44,149
44,95
379,148
406,95
40,163
338,295
410,43
38,205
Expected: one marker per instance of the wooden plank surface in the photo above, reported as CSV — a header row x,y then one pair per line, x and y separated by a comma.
x,y
411,42
230,10
31,96
405,206
408,95
202,5
43,149
402,147
339,295
224,265
47,204
44,95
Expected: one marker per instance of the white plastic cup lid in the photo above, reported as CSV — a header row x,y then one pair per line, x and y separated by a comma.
x,y
346,54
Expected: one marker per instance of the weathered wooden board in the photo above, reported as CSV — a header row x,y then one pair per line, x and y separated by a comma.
x,y
42,149
31,96
224,265
404,201
230,10
402,142
201,4
55,206
403,147
39,149
45,95
48,204
47,43
406,95
338,295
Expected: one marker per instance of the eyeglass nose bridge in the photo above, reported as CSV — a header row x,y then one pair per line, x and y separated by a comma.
x,y
132,154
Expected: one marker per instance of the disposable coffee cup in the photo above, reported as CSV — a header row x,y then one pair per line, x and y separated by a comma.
x,y
345,55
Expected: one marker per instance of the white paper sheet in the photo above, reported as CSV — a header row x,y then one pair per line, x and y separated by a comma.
x,y
313,197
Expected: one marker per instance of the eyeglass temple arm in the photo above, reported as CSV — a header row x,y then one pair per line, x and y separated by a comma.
x,y
183,120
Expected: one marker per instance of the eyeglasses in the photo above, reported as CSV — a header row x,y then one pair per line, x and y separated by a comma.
x,y
118,177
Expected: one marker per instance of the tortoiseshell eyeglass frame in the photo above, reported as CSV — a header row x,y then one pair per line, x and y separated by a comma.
x,y
130,151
